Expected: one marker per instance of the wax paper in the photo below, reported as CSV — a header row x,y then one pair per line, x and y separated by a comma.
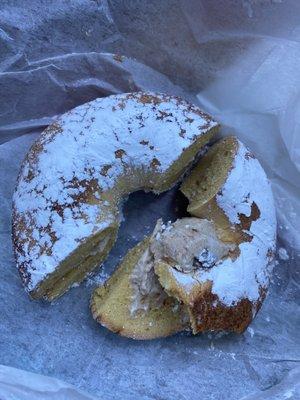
x,y
240,61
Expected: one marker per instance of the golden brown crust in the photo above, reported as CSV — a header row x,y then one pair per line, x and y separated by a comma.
x,y
209,314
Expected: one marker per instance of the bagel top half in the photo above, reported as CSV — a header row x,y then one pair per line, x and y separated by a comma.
x,y
66,206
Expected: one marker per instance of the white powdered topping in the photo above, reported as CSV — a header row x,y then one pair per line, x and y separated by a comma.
x,y
283,254
206,258
246,192
81,156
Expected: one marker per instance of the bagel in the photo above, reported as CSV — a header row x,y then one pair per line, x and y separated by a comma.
x,y
67,202
216,264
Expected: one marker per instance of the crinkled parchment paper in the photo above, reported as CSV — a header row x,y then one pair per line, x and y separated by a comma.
x,y
240,61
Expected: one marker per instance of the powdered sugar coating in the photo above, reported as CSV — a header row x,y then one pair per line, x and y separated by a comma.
x,y
246,193
57,202
245,187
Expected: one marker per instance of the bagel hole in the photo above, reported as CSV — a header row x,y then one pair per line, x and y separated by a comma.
x,y
181,203
140,212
